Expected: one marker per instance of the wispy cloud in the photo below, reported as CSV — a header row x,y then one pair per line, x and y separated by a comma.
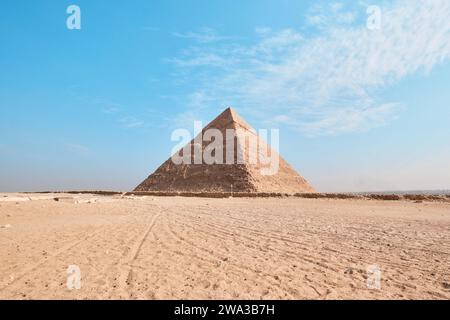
x,y
328,83
201,59
331,14
119,114
197,109
131,122
204,35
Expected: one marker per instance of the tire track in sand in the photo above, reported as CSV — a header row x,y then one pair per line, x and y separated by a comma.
x,y
26,271
213,257
125,265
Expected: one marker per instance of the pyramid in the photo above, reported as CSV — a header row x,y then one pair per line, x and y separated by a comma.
x,y
240,176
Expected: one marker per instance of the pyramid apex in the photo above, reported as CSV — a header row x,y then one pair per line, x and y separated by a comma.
x,y
230,115
230,111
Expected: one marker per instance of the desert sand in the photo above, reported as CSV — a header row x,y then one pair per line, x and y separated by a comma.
x,y
237,248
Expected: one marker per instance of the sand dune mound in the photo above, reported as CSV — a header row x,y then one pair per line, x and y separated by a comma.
x,y
239,176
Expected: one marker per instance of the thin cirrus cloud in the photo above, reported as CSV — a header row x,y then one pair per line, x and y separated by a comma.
x,y
204,35
130,122
323,16
328,83
125,121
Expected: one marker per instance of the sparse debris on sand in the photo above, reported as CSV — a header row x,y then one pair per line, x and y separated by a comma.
x,y
88,201
57,199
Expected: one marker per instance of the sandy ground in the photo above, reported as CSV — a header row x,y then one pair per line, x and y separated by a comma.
x,y
192,248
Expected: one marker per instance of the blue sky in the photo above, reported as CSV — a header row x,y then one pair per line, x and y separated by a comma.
x,y
357,109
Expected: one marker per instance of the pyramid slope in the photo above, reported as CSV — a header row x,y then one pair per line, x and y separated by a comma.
x,y
204,178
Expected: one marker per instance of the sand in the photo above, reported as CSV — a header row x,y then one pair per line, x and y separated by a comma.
x,y
240,248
